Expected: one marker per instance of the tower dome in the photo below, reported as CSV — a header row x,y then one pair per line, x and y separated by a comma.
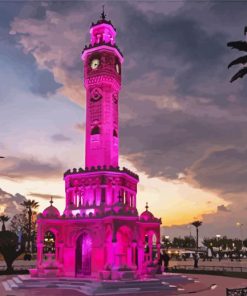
x,y
51,211
146,215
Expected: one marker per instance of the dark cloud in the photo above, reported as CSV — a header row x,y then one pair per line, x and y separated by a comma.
x,y
222,208
43,83
222,170
45,196
60,138
192,56
17,168
168,142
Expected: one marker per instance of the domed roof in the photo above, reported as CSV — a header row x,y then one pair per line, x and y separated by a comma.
x,y
146,215
51,211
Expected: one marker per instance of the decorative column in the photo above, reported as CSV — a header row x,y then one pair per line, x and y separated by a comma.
x,y
158,250
134,253
40,247
150,245
140,256
129,255
60,258
98,195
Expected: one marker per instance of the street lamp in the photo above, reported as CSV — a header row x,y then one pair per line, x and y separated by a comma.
x,y
218,236
240,225
167,242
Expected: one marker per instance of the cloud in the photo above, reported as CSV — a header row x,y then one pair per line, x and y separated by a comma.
x,y
60,138
80,127
223,170
10,204
45,196
179,114
30,168
55,44
222,208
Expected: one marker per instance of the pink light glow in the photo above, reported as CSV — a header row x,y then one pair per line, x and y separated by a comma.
x,y
102,47
75,212
88,211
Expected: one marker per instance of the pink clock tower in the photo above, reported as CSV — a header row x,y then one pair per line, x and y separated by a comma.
x,y
100,229
102,79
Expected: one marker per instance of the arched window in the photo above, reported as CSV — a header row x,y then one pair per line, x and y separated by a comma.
x,y
95,130
115,133
49,242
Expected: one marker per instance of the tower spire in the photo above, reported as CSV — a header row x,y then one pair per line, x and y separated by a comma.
x,y
146,206
51,201
103,15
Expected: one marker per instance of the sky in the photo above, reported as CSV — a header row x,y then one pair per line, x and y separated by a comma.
x,y
182,123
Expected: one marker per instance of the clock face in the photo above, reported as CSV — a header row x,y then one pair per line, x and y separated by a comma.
x,y
95,63
117,68
96,94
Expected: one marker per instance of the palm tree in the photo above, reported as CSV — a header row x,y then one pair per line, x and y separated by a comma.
x,y
29,205
197,224
4,219
242,46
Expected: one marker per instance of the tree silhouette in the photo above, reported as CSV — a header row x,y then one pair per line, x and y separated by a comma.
x,y
197,224
4,219
30,205
242,46
10,248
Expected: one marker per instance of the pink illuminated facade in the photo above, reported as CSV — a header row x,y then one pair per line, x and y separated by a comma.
x,y
100,233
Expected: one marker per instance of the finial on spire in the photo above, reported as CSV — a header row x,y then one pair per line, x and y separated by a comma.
x,y
51,201
103,15
146,206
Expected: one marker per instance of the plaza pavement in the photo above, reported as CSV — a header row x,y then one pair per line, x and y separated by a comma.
x,y
201,288
214,262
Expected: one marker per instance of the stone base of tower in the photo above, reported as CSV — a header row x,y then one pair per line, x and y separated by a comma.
x,y
100,234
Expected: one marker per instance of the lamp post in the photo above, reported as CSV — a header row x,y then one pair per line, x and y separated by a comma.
x,y
240,225
167,242
218,236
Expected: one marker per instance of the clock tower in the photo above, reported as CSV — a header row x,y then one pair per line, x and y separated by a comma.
x,y
102,79
100,226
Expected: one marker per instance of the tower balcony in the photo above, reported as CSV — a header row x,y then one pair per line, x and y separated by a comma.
x,y
101,169
106,187
102,45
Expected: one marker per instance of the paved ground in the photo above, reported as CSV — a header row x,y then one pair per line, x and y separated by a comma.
x,y
214,262
200,288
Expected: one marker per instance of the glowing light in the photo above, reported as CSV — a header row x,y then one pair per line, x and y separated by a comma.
x,y
75,212
88,211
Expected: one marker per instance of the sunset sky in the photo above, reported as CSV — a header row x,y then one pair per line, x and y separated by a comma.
x,y
183,126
